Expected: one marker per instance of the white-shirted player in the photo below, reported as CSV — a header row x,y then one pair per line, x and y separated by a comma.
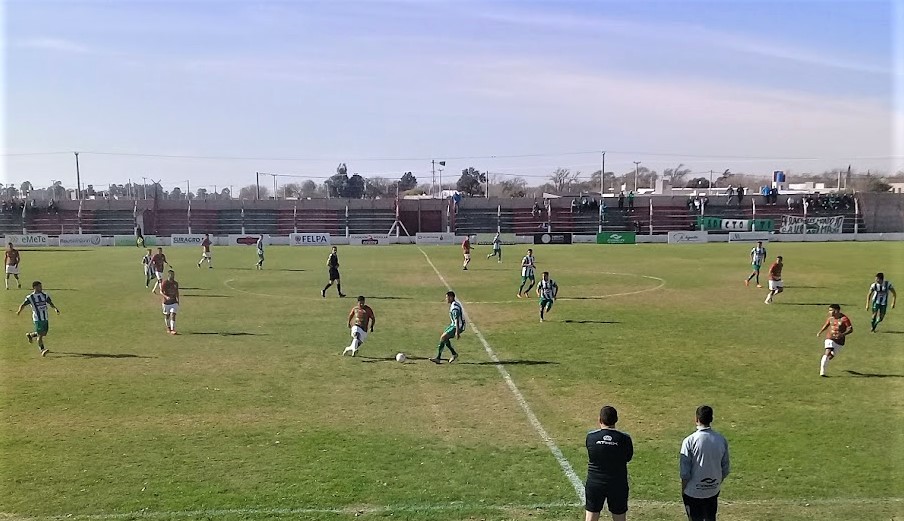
x,y
527,272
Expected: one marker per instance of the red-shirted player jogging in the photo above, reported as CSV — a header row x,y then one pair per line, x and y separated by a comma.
x,y
360,318
775,279
205,251
839,326
466,252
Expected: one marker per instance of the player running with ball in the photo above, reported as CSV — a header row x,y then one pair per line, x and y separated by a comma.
x,y
39,301
362,316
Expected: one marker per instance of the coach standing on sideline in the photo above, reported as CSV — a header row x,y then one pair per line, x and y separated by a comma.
x,y
704,466
609,452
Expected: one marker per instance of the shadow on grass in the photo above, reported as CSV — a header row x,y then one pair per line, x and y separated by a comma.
x,y
375,359
827,304
225,333
873,375
205,296
591,322
389,298
98,355
805,287
891,332
267,269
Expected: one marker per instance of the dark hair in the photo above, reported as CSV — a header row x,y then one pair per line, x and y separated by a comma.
x,y
450,294
608,415
360,298
546,273
836,307
880,275
779,257
705,414
35,284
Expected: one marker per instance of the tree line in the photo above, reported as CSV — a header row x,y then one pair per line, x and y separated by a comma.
x,y
472,182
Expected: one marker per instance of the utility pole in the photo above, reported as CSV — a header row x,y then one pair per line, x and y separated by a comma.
x,y
636,165
602,173
144,185
187,189
275,192
433,171
257,183
710,181
78,177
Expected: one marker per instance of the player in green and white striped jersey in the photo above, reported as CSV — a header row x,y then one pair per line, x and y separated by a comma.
x,y
547,290
527,272
457,315
877,299
39,301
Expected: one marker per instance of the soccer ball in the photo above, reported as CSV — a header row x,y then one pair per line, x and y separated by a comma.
x,y
400,357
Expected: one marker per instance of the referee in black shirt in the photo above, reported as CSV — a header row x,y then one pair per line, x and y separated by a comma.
x,y
609,452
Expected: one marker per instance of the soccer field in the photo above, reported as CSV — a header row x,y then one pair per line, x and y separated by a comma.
x,y
251,412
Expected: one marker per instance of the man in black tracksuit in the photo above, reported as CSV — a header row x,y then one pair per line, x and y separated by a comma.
x,y
609,452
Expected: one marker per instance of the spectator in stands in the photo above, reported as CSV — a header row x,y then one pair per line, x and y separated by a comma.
x,y
574,203
740,195
585,204
535,211
621,200
730,193
790,202
456,201
637,226
631,200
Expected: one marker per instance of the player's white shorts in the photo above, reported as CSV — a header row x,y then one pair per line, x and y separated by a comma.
x,y
467,256
159,275
170,308
834,346
12,269
775,284
205,255
362,334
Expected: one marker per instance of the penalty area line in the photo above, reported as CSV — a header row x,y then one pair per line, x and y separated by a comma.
x,y
532,418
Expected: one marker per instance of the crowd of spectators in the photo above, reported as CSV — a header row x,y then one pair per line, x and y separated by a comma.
x,y
585,204
17,206
812,203
696,202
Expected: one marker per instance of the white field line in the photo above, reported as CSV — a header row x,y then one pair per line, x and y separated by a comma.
x,y
447,507
600,297
534,421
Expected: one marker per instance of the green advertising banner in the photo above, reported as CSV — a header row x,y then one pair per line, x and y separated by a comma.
x,y
616,238
763,225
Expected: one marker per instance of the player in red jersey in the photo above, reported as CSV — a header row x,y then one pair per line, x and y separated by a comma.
x,y
839,326
205,251
360,318
466,252
157,263
11,261
775,279
169,291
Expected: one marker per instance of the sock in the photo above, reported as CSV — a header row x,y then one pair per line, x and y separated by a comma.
x,y
530,288
823,363
439,349
451,349
41,343
339,287
758,278
521,289
173,324
875,322
354,344
166,322
327,286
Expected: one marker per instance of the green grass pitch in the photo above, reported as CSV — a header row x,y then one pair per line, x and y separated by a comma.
x,y
251,412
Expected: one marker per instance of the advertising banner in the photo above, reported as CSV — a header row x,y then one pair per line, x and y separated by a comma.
x,y
616,238
552,238
688,237
762,225
186,239
709,223
741,225
795,224
435,238
309,239
247,239
369,239
89,239
583,239
487,238
28,240
749,236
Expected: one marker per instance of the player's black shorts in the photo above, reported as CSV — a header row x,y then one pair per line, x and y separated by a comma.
x,y
615,494
334,274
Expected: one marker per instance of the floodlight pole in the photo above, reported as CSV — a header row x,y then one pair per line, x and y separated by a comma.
x,y
636,165
78,177
602,173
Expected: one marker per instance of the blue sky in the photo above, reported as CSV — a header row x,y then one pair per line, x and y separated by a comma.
x,y
751,86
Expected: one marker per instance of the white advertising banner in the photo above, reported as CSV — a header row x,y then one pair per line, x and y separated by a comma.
x,y
28,240
88,239
741,225
435,238
309,239
825,225
186,239
369,239
748,236
583,239
688,237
